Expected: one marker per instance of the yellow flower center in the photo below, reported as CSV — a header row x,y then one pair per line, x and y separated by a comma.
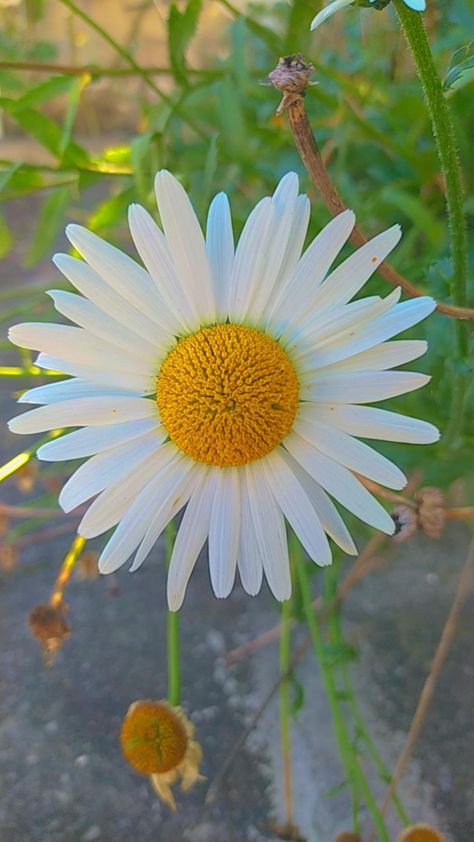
x,y
153,738
227,395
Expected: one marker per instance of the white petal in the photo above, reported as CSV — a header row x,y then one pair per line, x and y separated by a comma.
x,y
363,386
381,357
186,243
284,202
270,532
326,511
311,269
82,412
351,275
328,11
191,537
65,390
153,503
250,258
89,316
286,192
297,508
106,469
249,563
416,5
78,345
220,251
112,504
120,381
295,244
152,247
91,440
122,273
398,318
340,483
372,423
316,335
175,487
224,531
106,297
348,451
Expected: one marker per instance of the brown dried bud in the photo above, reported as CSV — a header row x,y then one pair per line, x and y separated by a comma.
x,y
420,833
348,836
288,832
50,627
292,73
431,510
25,477
406,523
8,557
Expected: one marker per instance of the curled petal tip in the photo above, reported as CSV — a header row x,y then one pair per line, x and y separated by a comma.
x,y
328,11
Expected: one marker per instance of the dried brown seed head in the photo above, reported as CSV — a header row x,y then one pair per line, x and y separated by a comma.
x,y
50,627
431,503
420,833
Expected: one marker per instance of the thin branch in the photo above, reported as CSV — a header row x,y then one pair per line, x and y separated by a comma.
x,y
292,77
429,685
95,70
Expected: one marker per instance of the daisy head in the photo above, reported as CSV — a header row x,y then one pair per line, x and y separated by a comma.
x,y
231,382
157,740
336,5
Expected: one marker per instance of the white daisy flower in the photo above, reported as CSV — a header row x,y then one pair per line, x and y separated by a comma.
x,y
232,381
336,5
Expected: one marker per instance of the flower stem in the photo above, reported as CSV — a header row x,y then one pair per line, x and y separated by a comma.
x,y
172,632
414,30
336,637
346,750
285,656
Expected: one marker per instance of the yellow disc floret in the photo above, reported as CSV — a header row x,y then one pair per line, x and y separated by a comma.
x,y
227,394
153,737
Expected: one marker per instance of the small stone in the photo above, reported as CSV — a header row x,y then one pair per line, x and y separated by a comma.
x,y
82,761
92,834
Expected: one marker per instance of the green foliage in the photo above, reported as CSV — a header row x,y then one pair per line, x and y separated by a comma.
x,y
216,129
181,28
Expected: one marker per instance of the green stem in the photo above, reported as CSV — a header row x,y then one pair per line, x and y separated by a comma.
x,y
346,751
336,636
443,131
140,71
172,632
285,658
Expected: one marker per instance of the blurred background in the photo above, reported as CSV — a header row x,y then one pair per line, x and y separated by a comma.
x,y
94,98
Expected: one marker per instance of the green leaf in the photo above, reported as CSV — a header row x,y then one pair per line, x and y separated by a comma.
x,y
6,239
140,155
232,118
7,174
464,58
50,220
44,92
46,132
75,92
181,28
297,701
113,211
339,653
